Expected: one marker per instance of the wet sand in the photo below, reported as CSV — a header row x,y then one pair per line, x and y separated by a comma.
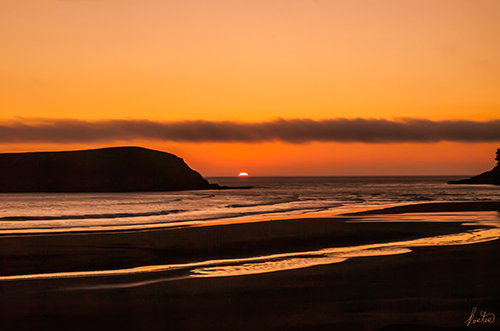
x,y
431,288
434,207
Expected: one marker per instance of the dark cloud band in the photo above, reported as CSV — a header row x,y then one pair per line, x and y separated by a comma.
x,y
292,131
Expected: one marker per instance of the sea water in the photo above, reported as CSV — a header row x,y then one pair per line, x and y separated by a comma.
x,y
271,197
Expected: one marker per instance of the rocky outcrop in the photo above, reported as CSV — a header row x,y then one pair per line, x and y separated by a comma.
x,y
117,169
490,177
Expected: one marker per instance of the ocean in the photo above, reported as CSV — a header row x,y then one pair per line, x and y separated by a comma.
x,y
271,198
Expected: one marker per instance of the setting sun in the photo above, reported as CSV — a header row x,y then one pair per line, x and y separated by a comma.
x,y
243,174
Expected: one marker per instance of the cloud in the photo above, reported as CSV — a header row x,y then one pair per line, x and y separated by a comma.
x,y
294,131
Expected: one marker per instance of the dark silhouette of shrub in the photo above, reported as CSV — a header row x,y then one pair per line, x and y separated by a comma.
x,y
498,156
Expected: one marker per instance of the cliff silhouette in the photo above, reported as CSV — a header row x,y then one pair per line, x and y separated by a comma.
x,y
490,177
115,169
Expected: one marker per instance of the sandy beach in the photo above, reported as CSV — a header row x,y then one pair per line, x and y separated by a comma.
x,y
422,288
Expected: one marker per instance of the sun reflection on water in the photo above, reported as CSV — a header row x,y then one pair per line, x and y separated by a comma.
x,y
340,254
293,260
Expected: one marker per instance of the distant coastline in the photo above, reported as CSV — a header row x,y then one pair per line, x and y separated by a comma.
x,y
116,169
491,177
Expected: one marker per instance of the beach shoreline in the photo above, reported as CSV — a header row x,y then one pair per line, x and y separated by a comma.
x,y
427,287
432,207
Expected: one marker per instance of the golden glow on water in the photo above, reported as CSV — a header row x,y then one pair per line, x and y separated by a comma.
x,y
340,254
270,263
491,218
264,267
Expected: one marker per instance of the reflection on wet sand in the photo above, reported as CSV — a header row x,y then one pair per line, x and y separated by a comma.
x,y
335,255
466,218
292,260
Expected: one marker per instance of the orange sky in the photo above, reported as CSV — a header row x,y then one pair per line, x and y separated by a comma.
x,y
253,61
